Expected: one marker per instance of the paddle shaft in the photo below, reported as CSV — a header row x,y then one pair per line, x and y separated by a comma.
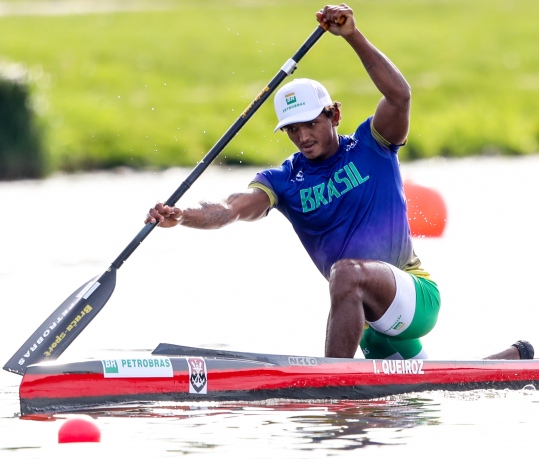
x,y
59,330
286,70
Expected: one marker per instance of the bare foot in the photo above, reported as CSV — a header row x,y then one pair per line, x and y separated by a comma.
x,y
519,350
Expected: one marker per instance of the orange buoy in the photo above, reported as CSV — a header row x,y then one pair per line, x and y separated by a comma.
x,y
427,213
78,430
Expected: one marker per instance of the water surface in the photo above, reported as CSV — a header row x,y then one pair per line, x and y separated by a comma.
x,y
251,287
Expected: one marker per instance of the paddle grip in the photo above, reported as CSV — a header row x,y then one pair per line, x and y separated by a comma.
x,y
325,25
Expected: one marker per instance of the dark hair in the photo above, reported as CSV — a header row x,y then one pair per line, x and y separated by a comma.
x,y
329,111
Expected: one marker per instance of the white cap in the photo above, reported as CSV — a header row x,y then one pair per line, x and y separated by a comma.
x,y
299,101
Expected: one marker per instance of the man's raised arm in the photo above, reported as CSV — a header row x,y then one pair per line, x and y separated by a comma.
x,y
392,116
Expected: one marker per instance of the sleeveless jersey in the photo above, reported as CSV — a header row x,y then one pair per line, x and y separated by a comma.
x,y
350,205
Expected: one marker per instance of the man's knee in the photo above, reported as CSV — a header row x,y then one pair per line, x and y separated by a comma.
x,y
345,274
371,283
349,279
350,273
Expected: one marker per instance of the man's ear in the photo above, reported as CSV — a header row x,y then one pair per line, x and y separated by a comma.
x,y
336,117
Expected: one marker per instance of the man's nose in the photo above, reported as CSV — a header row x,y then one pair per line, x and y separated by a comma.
x,y
303,134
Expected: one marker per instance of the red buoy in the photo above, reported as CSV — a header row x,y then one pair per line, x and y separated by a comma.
x,y
427,213
78,430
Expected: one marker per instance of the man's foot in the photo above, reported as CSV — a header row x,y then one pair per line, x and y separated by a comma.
x,y
521,350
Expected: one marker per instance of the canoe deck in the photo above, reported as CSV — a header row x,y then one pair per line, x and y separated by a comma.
x,y
179,373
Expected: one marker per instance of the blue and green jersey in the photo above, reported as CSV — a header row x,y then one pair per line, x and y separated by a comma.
x,y
350,205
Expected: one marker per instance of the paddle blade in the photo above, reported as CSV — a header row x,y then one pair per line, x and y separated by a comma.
x,y
65,323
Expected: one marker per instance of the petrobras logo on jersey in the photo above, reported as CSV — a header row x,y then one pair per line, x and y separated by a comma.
x,y
399,325
343,181
138,368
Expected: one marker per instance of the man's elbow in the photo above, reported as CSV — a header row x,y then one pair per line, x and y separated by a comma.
x,y
404,96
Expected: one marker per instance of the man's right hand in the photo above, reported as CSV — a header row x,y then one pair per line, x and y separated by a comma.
x,y
339,19
164,216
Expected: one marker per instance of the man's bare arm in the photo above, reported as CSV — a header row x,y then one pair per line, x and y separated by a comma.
x,y
250,205
392,116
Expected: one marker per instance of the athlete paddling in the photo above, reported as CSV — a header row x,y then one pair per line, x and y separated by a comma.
x,y
344,198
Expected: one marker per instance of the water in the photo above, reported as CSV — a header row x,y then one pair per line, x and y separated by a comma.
x,y
238,289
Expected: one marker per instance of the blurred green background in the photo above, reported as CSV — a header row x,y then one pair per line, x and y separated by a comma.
x,y
157,88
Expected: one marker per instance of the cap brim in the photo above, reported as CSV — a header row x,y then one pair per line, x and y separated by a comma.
x,y
299,118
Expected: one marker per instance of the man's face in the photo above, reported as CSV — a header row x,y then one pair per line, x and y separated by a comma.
x,y
316,139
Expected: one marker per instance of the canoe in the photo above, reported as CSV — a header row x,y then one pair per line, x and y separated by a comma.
x,y
173,373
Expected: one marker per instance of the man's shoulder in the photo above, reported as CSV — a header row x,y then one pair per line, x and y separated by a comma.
x,y
289,164
358,139
367,136
282,173
363,132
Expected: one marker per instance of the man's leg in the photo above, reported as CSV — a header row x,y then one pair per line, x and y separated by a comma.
x,y
520,350
376,345
359,290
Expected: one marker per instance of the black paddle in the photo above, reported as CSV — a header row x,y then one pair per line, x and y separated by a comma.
x,y
77,311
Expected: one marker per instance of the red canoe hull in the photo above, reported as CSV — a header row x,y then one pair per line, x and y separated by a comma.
x,y
91,384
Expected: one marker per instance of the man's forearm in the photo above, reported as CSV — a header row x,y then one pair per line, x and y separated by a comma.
x,y
207,216
248,206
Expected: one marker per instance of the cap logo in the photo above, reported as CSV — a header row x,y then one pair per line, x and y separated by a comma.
x,y
290,98
299,101
291,102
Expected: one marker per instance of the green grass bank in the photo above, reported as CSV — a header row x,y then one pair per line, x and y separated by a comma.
x,y
159,88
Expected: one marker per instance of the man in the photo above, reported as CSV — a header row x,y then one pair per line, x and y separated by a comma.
x,y
345,200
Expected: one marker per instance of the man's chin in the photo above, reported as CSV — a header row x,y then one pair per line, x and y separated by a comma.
x,y
311,154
